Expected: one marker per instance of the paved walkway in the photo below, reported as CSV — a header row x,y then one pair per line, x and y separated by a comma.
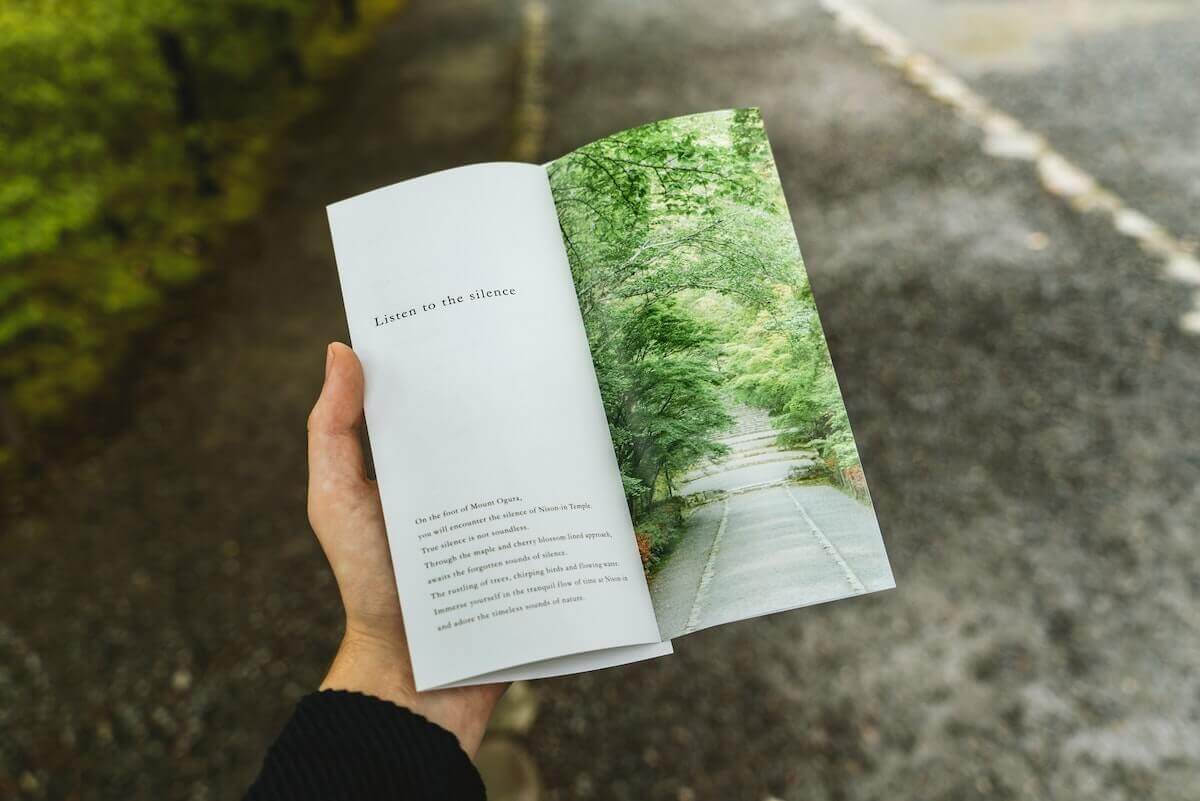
x,y
764,544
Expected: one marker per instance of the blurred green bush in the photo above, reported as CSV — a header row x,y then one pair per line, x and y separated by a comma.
x,y
131,134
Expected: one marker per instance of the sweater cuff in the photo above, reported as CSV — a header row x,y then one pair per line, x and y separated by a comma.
x,y
346,745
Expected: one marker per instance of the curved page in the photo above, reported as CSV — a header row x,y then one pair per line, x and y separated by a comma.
x,y
742,472
509,530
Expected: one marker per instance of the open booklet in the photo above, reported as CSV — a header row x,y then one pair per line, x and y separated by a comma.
x,y
600,404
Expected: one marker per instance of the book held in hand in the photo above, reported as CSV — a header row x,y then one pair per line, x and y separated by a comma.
x,y
600,404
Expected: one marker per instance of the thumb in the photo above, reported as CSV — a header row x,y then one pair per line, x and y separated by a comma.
x,y
335,457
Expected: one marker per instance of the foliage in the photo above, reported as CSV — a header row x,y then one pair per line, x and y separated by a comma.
x,y
660,390
786,369
130,132
658,531
644,552
691,285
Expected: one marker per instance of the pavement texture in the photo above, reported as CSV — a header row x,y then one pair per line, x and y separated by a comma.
x,y
1106,81
1023,406
1024,401
761,542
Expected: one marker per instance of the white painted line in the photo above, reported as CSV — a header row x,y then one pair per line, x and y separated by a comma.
x,y
529,124
1191,320
1007,138
706,577
1184,268
827,545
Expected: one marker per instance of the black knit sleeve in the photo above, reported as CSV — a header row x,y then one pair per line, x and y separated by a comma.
x,y
346,746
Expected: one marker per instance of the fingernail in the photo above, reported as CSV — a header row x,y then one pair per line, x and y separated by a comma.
x,y
328,359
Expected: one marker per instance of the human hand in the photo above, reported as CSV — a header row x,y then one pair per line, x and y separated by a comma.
x,y
346,514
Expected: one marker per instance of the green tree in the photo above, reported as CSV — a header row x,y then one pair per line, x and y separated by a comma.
x,y
783,365
656,220
662,396
665,212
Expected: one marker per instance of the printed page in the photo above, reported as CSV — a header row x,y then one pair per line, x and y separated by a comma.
x,y
575,663
509,531
728,424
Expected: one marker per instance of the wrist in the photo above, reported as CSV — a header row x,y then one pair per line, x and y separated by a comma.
x,y
380,666
374,667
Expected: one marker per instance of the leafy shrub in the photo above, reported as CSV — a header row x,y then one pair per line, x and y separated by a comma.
x,y
644,549
661,529
785,368
130,133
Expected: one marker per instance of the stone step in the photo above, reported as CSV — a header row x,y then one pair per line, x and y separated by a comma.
x,y
745,475
756,438
745,458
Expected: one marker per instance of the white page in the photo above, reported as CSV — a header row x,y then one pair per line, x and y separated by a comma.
x,y
573,663
482,401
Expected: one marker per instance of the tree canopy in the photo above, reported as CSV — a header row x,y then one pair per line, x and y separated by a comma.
x,y
693,290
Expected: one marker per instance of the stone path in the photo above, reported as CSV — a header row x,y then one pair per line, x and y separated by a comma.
x,y
763,543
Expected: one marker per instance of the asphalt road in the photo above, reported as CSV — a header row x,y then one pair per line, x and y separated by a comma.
x,y
1108,82
1023,398
1025,405
763,543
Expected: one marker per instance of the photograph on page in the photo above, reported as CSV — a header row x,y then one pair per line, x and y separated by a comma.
x,y
739,466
